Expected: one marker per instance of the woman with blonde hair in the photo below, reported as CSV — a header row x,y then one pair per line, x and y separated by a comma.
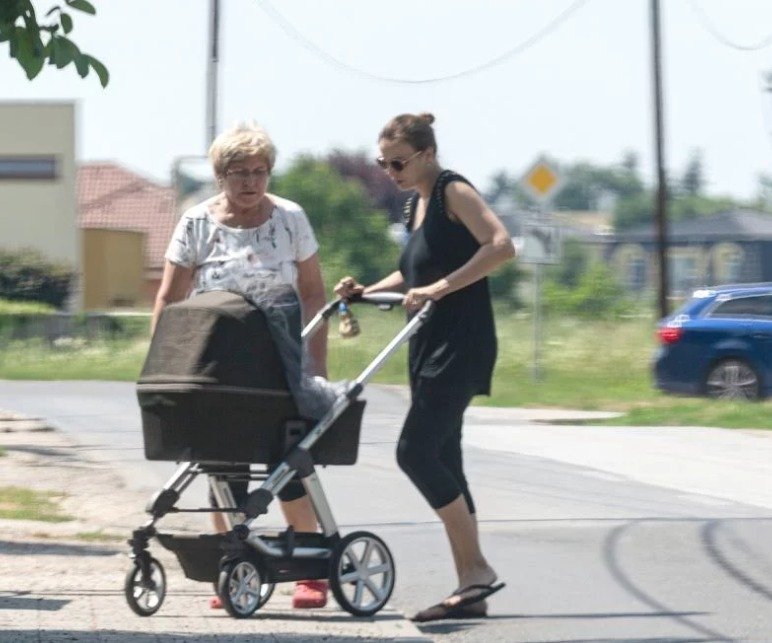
x,y
247,240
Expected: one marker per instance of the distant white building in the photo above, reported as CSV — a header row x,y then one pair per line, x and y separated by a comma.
x,y
38,200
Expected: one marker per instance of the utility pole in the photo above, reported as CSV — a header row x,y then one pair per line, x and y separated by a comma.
x,y
661,209
212,60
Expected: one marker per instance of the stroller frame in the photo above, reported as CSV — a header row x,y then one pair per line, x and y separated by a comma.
x,y
244,563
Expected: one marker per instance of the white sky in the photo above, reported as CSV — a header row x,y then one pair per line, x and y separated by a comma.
x,y
581,92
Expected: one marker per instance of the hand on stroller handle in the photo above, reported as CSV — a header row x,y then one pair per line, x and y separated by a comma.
x,y
384,299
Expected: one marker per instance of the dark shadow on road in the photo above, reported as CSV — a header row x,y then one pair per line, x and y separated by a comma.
x,y
626,640
120,636
25,601
38,548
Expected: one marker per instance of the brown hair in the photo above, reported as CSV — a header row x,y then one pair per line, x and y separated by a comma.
x,y
414,129
239,143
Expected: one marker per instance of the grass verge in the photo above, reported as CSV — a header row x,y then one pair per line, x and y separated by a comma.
x,y
588,365
18,503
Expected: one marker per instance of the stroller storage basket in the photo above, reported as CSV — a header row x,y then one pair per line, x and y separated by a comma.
x,y
199,556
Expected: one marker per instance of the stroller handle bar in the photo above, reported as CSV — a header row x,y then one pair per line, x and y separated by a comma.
x,y
384,299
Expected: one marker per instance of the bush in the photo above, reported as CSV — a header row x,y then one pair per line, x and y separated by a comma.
x,y
25,275
504,283
597,294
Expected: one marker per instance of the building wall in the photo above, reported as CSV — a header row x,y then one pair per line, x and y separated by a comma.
x,y
39,213
113,269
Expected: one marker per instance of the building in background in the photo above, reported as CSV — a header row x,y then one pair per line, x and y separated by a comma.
x,y
38,204
730,247
127,221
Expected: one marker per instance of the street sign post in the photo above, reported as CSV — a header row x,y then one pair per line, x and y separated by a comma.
x,y
541,239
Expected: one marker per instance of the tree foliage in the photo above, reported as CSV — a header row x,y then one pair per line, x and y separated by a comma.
x,y
597,294
383,192
34,43
353,235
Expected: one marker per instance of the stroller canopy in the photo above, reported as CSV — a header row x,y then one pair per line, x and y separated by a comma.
x,y
216,338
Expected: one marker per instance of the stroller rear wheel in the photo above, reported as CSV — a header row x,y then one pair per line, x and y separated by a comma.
x,y
240,588
145,592
362,573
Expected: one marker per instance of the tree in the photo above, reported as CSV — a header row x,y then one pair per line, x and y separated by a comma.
x,y
353,236
693,180
383,192
33,44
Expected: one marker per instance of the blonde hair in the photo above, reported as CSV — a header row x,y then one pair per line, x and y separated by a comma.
x,y
414,129
241,142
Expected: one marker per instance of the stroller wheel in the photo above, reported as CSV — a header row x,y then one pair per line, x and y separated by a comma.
x,y
362,573
145,593
240,589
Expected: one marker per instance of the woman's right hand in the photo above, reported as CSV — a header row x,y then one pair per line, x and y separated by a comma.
x,y
348,287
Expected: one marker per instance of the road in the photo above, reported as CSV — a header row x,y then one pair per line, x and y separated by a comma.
x,y
589,553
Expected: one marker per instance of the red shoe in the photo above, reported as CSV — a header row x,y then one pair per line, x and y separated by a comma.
x,y
215,603
310,593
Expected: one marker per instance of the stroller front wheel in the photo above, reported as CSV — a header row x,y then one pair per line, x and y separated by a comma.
x,y
145,590
240,588
362,573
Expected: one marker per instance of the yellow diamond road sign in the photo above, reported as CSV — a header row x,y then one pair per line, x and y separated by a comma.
x,y
541,180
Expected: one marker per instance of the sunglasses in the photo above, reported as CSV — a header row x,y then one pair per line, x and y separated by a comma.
x,y
245,175
396,164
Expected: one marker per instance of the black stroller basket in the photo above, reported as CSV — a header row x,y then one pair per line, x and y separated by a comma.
x,y
213,394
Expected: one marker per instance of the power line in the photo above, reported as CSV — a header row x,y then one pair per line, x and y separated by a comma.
x,y
708,26
291,31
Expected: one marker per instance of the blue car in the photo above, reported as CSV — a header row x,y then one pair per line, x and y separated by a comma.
x,y
718,344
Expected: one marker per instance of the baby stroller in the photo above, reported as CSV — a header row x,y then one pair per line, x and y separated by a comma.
x,y
213,394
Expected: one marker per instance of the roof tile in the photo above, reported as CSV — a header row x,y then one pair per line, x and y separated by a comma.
x,y
112,197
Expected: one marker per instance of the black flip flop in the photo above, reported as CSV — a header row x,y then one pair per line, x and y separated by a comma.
x,y
442,610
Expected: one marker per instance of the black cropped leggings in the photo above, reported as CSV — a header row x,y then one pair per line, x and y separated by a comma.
x,y
429,448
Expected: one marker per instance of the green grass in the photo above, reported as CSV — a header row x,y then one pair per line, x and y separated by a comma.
x,y
119,359
587,365
98,536
18,503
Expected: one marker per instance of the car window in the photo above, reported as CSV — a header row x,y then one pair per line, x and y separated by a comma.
x,y
752,307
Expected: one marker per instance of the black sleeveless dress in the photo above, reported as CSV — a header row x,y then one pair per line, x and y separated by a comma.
x,y
456,349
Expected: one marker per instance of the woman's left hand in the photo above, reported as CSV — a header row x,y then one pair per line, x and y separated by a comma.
x,y
415,298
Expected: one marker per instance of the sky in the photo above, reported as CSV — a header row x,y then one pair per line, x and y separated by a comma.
x,y
314,73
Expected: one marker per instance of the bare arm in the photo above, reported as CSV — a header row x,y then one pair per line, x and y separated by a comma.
x,y
348,286
394,282
175,286
466,206
312,300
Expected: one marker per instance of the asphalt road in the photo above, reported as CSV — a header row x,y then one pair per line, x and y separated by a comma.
x,y
588,555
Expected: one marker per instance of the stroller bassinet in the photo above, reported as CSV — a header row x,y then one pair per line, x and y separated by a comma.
x,y
213,390
212,394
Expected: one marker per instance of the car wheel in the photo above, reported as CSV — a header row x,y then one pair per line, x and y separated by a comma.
x,y
732,379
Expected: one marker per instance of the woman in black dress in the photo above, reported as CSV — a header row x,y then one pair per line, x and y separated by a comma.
x,y
455,242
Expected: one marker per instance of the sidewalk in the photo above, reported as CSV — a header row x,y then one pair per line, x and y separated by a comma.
x,y
726,464
63,581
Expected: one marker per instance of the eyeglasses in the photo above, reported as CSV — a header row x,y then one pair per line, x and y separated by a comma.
x,y
396,164
245,175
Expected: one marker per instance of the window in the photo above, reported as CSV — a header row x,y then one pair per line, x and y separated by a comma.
x,y
752,307
683,273
28,167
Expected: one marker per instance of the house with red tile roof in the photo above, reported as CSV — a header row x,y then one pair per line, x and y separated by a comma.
x,y
127,221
